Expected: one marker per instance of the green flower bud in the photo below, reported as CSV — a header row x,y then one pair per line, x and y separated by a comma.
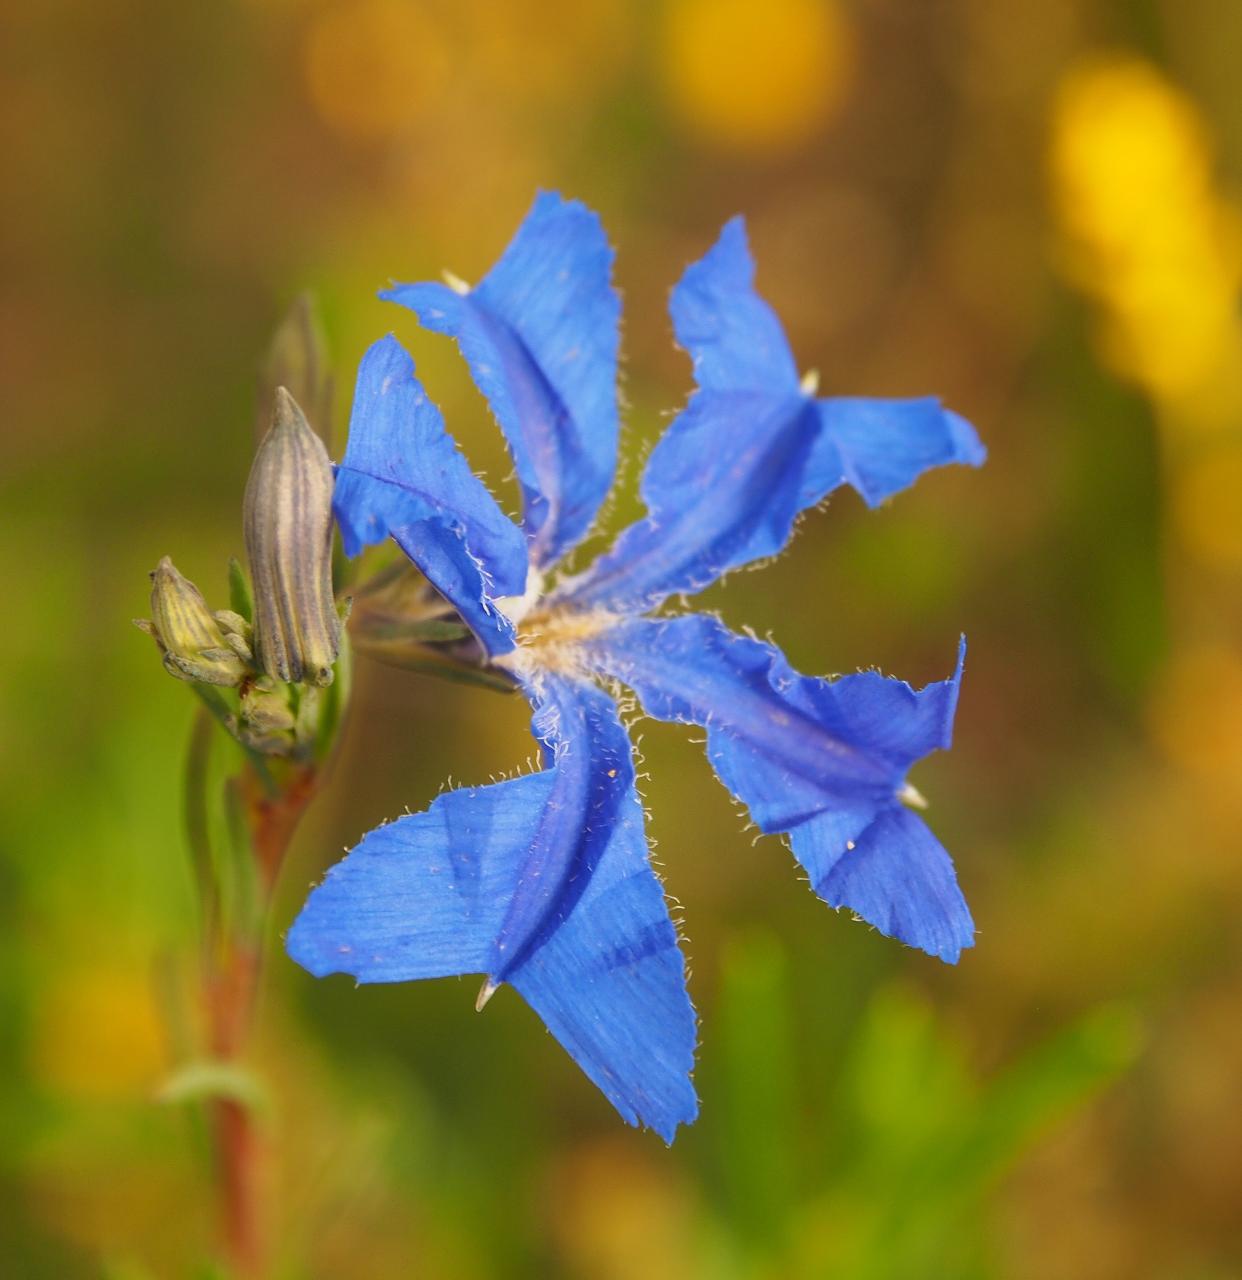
x,y
288,526
267,722
196,645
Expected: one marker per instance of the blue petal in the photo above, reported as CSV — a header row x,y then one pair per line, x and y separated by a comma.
x,y
542,882
722,489
879,447
424,896
893,872
751,450
606,974
731,334
402,476
821,759
540,333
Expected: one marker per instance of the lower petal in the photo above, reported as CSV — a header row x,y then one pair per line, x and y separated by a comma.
x,y
891,871
823,760
543,882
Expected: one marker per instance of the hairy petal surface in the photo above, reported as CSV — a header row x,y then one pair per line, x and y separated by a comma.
x,y
722,489
604,971
751,449
404,477
543,882
823,760
424,896
540,333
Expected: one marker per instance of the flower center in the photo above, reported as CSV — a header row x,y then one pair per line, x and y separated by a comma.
x,y
551,639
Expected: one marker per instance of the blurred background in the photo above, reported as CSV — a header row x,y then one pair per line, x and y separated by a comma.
x,y
1026,209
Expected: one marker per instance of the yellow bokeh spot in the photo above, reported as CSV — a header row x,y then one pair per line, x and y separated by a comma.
x,y
1207,506
375,67
1196,713
1145,231
621,1216
755,76
98,1034
546,50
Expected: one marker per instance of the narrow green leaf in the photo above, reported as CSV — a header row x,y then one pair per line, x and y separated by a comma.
x,y
1048,1084
244,911
335,700
240,600
214,701
197,824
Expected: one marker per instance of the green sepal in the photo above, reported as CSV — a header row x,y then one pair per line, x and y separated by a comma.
x,y
334,700
429,662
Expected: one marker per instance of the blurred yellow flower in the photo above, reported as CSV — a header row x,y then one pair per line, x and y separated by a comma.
x,y
99,1034
755,76
375,67
1207,506
1145,232
1196,712
620,1215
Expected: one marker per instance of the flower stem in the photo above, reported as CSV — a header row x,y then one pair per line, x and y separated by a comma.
x,y
230,988
235,1135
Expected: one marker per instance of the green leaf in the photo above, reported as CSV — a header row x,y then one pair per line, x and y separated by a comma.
x,y
240,600
758,1121
197,823
214,701
334,700
243,909
1047,1085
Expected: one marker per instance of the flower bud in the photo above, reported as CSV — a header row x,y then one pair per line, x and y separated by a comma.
x,y
297,360
288,526
195,645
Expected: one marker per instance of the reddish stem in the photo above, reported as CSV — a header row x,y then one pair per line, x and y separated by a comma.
x,y
231,990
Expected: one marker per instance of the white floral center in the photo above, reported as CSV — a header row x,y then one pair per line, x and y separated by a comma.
x,y
552,639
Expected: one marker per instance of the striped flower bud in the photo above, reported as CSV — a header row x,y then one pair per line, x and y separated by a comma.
x,y
196,645
288,527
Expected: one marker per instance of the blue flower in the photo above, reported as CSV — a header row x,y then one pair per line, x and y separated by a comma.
x,y
544,881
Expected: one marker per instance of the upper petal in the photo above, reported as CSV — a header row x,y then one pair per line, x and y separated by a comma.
x,y
404,477
731,334
879,447
751,450
824,760
540,333
723,488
